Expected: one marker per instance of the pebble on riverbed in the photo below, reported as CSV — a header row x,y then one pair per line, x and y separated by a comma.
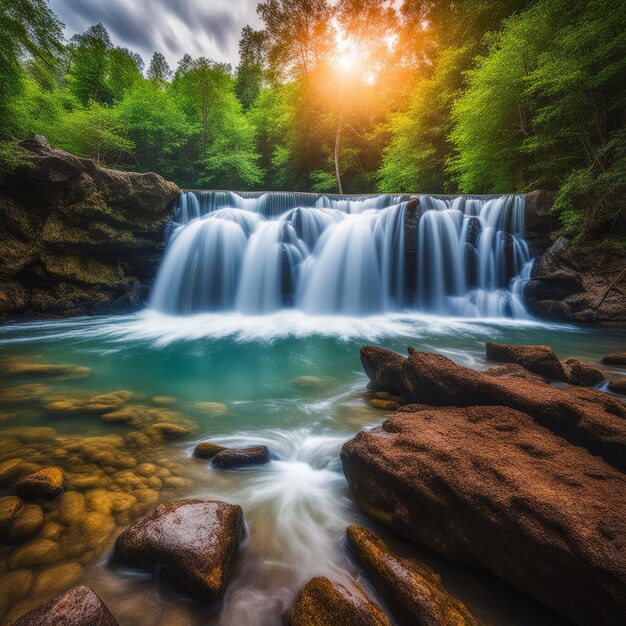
x,y
22,366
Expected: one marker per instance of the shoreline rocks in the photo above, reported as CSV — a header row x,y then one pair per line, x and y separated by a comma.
x,y
194,541
488,487
322,602
80,606
241,457
618,358
584,417
207,450
412,591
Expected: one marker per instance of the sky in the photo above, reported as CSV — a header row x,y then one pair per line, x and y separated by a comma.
x,y
208,28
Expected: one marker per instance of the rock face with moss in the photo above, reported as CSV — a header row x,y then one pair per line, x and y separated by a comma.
x,y
77,238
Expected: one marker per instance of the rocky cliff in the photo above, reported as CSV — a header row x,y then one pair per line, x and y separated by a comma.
x,y
76,238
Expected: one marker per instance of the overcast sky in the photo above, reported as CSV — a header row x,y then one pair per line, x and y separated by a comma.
x,y
208,28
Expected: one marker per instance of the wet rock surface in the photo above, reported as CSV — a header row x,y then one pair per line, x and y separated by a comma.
x,y
80,606
241,457
325,603
618,385
78,238
207,450
543,361
516,499
617,358
46,484
411,590
584,418
193,540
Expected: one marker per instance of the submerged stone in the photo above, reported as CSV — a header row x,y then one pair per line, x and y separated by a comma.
x,y
212,408
239,457
46,484
80,606
207,450
193,540
325,603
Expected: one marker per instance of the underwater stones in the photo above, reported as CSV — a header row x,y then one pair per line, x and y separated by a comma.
x,y
384,405
79,606
146,469
322,603
46,484
163,400
313,383
56,578
207,450
21,366
193,540
211,408
618,385
617,358
411,590
240,457
26,524
13,587
167,431
35,554
9,469
516,499
10,506
21,394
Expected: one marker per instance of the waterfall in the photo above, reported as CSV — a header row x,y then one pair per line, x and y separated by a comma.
x,y
256,253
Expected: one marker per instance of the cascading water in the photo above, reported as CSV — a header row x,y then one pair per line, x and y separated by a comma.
x,y
256,253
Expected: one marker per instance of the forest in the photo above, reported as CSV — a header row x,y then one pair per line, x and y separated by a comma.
x,y
352,96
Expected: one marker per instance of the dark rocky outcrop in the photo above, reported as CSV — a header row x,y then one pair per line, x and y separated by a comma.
x,y
618,358
543,361
325,603
412,591
540,220
46,484
582,416
193,540
618,385
488,487
384,369
77,238
80,606
578,283
241,457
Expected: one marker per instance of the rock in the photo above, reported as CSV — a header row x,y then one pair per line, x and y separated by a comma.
x,y
618,358
77,238
26,524
35,554
412,591
80,606
46,484
212,408
10,506
383,368
163,400
170,431
313,383
540,360
325,603
9,469
512,370
239,457
22,394
515,499
207,450
543,361
539,220
588,420
618,385
57,578
193,540
21,366
120,416
582,374
384,405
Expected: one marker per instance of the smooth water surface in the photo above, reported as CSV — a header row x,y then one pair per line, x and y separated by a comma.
x,y
298,506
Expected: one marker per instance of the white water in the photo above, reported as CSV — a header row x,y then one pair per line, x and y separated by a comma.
x,y
256,254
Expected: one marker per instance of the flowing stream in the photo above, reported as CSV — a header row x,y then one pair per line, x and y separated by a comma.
x,y
260,309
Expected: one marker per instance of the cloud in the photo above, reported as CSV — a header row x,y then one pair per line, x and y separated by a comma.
x,y
173,27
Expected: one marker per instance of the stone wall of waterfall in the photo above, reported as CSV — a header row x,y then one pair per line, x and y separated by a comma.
x,y
256,253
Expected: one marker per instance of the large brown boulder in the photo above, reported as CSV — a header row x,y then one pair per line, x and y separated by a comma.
x,y
412,591
592,420
325,603
488,487
383,368
77,238
193,540
80,606
543,361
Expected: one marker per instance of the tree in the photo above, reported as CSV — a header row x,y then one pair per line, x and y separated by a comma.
x,y
27,29
159,70
89,70
249,75
124,72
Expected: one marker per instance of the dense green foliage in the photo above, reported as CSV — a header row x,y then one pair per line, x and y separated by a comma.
x,y
476,96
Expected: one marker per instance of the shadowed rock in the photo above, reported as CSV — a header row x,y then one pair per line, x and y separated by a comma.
x,y
412,591
488,487
618,386
207,450
193,540
241,457
80,606
618,358
46,484
582,416
325,603
383,368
